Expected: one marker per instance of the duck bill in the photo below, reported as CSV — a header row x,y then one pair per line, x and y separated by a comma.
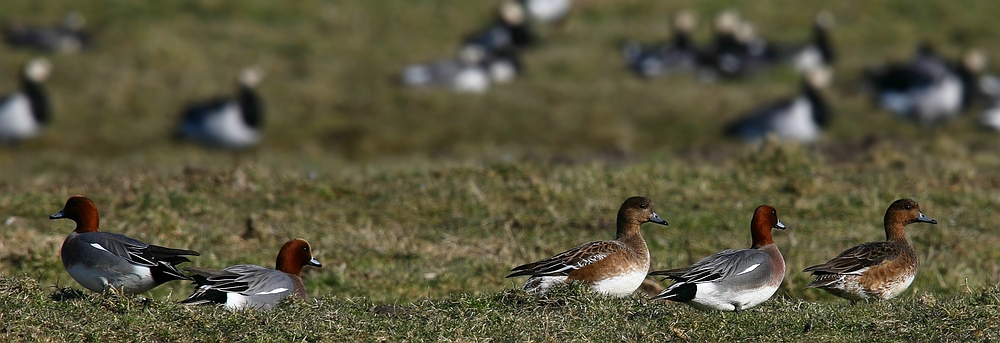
x,y
313,262
779,225
57,215
925,219
655,218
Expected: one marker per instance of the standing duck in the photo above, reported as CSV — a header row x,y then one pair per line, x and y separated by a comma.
x,y
874,270
102,261
732,280
22,114
615,267
801,118
251,286
233,123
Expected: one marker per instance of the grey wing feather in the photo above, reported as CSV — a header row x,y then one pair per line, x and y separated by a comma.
x,y
121,246
719,266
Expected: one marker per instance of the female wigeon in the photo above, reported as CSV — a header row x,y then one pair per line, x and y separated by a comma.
x,y
874,270
615,267
801,118
22,114
227,122
101,261
732,280
252,286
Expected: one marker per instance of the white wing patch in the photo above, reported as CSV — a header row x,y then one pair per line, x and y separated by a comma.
x,y
273,291
98,246
589,260
749,269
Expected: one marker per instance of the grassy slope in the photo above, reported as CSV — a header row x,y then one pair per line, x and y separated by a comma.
x,y
412,195
570,314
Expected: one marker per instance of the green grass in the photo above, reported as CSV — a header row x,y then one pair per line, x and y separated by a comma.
x,y
418,202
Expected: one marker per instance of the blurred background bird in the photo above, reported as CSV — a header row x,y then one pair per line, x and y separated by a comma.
x,y
25,112
227,122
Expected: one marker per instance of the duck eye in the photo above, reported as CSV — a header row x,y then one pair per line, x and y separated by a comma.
x,y
774,212
642,205
908,207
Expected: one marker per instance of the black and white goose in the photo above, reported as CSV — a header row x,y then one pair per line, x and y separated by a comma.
x,y
510,29
736,50
474,71
928,89
817,53
23,113
233,123
547,11
66,37
678,55
801,118
990,88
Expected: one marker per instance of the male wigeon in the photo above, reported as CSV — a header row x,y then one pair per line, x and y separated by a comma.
x,y
615,267
928,89
801,118
22,114
102,261
874,270
732,280
66,37
233,123
252,286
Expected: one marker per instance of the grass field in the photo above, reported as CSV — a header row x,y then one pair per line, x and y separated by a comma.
x,y
419,202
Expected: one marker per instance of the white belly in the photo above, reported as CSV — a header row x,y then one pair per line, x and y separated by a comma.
x,y
798,123
138,280
710,296
621,285
227,129
16,120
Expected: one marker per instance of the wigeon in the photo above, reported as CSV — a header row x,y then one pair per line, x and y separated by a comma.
x,y
732,280
801,118
928,89
102,261
615,267
233,123
22,114
66,37
677,56
874,270
251,286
